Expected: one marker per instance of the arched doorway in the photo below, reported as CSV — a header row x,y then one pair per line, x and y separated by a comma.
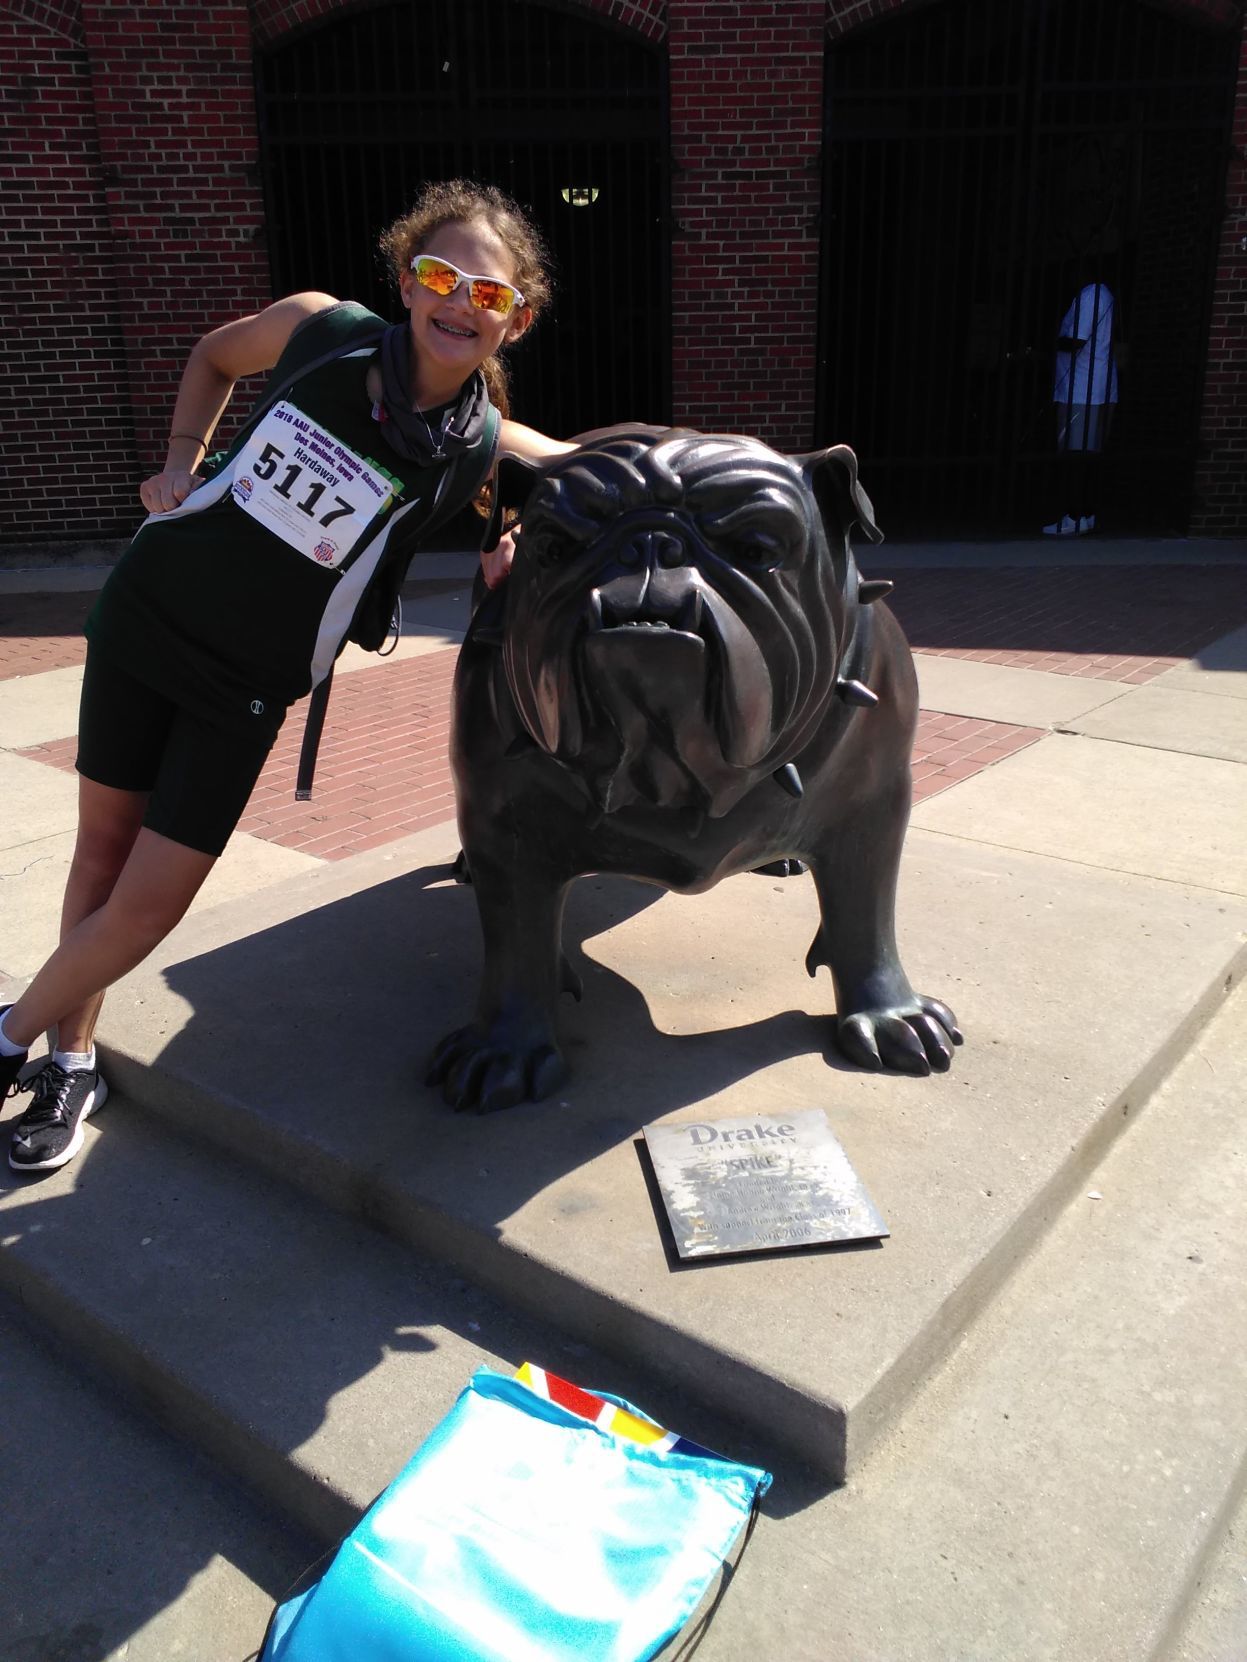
x,y
983,163
564,112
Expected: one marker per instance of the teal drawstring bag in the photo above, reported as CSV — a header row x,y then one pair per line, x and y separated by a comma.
x,y
520,1532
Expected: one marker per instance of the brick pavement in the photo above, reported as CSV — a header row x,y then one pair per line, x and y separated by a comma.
x,y
383,769
42,631
1119,623
1110,623
951,748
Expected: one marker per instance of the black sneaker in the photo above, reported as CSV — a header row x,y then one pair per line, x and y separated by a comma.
x,y
49,1133
10,1066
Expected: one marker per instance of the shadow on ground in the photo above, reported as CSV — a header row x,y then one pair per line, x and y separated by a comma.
x,y
346,1003
23,616
109,1523
1169,611
310,1036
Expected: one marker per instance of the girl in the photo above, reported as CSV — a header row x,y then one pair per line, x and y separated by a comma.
x,y
238,592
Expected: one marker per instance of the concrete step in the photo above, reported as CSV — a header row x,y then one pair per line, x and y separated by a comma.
x,y
121,1542
1058,1492
301,1350
292,1027
1053,1493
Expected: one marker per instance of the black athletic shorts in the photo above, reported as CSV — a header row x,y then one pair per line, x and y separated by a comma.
x,y
199,775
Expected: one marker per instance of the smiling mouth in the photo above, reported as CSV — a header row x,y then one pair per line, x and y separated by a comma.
x,y
455,332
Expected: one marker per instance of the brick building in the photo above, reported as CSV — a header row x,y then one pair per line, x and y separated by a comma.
x,y
810,219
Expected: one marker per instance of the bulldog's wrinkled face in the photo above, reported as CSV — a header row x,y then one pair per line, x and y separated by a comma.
x,y
673,617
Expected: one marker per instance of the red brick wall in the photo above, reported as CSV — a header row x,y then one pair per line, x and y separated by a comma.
x,y
134,222
178,142
844,16
271,18
746,116
65,424
61,17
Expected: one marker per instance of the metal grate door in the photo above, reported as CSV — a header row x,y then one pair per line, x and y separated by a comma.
x,y
984,162
565,113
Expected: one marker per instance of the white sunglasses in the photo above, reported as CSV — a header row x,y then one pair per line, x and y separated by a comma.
x,y
487,294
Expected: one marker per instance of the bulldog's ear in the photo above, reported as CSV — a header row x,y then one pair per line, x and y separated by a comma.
x,y
513,479
832,477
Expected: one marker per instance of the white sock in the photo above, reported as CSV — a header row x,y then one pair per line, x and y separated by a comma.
x,y
75,1061
7,1047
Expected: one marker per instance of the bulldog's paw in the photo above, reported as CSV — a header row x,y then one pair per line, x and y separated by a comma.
x,y
913,1037
483,1072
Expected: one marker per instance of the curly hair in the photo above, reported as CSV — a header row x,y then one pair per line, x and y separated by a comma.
x,y
463,202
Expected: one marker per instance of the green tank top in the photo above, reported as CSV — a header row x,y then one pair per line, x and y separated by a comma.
x,y
239,600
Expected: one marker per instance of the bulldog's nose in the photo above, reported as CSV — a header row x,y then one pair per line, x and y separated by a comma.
x,y
652,549
670,600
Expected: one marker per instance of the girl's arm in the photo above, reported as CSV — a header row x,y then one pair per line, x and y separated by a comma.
x,y
244,347
528,444
531,446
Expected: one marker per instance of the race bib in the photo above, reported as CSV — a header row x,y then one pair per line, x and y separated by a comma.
x,y
306,487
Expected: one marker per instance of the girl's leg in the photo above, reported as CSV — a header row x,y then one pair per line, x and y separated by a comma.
x,y
131,883
112,919
108,823
123,730
157,883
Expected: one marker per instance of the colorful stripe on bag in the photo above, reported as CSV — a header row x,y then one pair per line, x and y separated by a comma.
x,y
607,1416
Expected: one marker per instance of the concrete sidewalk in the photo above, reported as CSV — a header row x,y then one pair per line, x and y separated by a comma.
x,y
1075,885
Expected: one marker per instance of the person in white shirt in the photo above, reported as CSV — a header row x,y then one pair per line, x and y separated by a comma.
x,y
1084,396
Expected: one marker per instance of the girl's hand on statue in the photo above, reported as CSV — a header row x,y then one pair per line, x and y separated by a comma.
x,y
496,562
168,489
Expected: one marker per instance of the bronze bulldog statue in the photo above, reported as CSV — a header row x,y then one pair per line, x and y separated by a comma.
x,y
688,678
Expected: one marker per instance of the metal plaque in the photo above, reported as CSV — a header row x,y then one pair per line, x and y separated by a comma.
x,y
759,1184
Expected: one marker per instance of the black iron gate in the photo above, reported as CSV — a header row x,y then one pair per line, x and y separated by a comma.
x,y
986,160
565,113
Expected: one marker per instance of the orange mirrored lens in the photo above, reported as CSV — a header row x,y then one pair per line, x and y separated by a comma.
x,y
492,296
488,294
432,274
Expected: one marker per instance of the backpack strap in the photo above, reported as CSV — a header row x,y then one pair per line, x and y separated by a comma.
x,y
457,486
367,333
313,727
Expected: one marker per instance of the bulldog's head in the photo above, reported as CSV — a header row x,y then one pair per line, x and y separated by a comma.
x,y
677,609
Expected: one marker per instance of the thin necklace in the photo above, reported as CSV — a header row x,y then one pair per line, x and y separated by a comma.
x,y
438,444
